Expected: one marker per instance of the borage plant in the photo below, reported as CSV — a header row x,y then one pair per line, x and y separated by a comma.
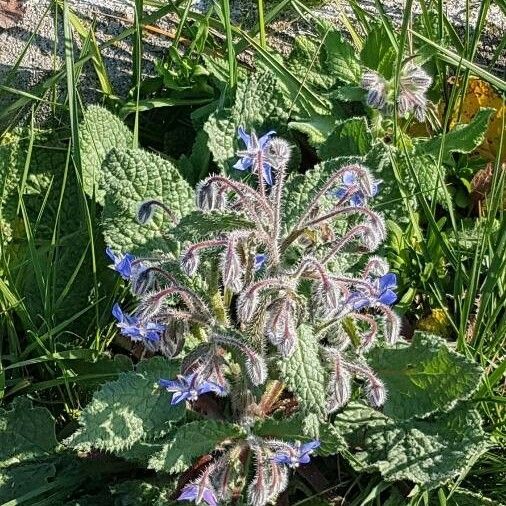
x,y
258,299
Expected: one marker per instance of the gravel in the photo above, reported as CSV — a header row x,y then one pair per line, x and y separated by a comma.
x,y
44,52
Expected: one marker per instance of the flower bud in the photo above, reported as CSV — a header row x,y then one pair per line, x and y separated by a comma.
x,y
190,262
375,391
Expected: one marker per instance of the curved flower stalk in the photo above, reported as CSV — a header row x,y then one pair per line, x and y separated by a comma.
x,y
259,284
413,85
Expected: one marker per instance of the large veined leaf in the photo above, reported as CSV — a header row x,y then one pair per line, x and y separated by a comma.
x,y
350,137
129,410
378,53
52,206
307,62
259,105
129,177
462,139
317,128
191,441
428,452
26,432
198,226
342,60
423,378
304,375
99,132
16,481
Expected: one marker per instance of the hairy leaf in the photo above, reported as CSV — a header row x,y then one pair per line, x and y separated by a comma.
x,y
16,481
259,105
351,137
99,132
427,452
198,226
191,441
317,128
342,60
129,410
462,139
131,176
26,432
304,375
378,53
423,378
196,166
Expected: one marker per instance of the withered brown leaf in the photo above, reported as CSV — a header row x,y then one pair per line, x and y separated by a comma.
x,y
11,12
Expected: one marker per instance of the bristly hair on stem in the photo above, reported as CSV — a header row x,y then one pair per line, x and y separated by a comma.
x,y
243,295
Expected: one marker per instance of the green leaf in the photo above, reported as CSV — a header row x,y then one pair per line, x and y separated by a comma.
x,y
307,62
317,128
99,132
291,429
350,137
462,139
17,481
428,452
198,225
342,60
424,377
131,176
259,105
191,441
129,410
26,432
304,374
196,166
378,52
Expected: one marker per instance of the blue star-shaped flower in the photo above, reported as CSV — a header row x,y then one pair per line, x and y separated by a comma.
x,y
122,263
198,493
296,454
189,388
135,329
350,180
384,293
255,152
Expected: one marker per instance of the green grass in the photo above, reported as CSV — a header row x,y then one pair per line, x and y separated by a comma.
x,y
473,295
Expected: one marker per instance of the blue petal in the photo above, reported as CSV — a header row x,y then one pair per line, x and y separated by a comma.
x,y
209,386
260,260
170,385
179,397
388,297
117,313
124,267
209,497
281,458
110,253
265,139
267,173
310,446
244,163
304,459
349,178
389,280
189,493
246,138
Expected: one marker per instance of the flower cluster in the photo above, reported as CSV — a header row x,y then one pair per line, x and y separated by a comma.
x,y
272,461
413,85
261,283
